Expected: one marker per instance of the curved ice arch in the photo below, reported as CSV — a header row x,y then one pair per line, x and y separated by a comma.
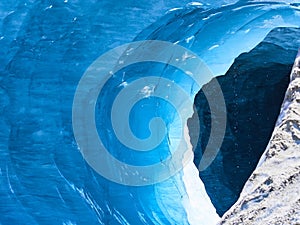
x,y
218,36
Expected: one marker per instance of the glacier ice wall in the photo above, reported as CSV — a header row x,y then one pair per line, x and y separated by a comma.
x,y
218,36
46,47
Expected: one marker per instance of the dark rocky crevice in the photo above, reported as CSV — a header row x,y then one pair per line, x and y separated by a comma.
x,y
253,88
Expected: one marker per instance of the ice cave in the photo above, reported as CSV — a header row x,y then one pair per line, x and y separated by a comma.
x,y
150,112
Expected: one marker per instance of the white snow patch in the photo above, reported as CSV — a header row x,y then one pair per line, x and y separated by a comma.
x,y
195,4
213,47
187,40
199,208
247,31
147,90
174,9
276,21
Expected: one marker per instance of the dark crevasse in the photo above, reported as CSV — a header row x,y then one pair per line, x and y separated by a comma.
x,y
253,89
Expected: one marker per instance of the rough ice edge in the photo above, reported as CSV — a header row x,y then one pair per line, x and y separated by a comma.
x,y
271,194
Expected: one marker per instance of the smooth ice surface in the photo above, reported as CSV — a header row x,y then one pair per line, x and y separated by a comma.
x,y
45,48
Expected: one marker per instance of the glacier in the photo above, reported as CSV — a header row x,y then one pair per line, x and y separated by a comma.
x,y
46,48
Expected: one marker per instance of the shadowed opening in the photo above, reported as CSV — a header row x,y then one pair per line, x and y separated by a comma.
x,y
253,88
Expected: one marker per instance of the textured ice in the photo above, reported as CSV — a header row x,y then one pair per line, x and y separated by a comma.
x,y
271,196
45,48
253,93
